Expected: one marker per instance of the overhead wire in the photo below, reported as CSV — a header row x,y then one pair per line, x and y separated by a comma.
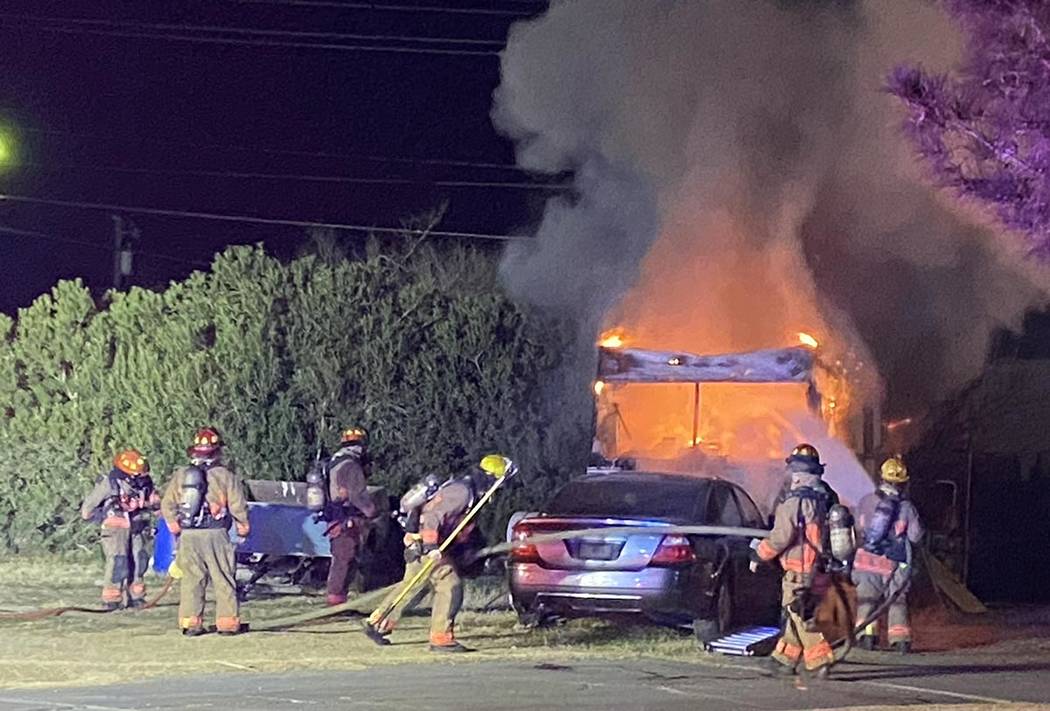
x,y
105,248
251,219
269,150
381,7
259,43
250,31
250,175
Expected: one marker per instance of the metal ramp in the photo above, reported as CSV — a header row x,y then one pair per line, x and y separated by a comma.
x,y
747,642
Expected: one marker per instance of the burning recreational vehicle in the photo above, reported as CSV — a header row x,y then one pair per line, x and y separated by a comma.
x,y
733,415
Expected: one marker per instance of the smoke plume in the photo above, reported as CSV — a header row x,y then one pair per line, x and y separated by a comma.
x,y
740,176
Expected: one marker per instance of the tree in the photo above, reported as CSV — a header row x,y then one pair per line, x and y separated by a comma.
x,y
414,341
984,131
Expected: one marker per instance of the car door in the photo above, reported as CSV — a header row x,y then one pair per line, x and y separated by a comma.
x,y
722,510
763,586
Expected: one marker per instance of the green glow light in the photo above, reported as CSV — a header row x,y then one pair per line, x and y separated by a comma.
x,y
7,149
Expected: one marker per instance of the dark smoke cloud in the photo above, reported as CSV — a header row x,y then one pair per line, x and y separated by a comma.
x,y
705,134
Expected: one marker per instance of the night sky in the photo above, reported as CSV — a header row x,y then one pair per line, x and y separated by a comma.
x,y
91,88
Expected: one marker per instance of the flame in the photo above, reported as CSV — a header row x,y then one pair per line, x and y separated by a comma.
x,y
807,340
613,338
736,295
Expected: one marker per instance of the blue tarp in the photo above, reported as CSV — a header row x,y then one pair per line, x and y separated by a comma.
x,y
276,529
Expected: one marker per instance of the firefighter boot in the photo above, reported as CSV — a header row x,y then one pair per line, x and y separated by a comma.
x,y
820,674
902,647
373,633
454,648
193,632
774,668
867,641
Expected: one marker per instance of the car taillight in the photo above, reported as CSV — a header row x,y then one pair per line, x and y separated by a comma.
x,y
522,552
673,550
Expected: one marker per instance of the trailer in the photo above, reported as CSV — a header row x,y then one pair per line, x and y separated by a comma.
x,y
286,550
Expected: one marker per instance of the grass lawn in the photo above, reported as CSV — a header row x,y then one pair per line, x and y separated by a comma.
x,y
81,649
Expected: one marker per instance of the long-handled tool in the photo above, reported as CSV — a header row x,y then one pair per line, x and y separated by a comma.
x,y
381,613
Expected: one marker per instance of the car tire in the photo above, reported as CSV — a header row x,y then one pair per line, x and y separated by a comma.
x,y
707,630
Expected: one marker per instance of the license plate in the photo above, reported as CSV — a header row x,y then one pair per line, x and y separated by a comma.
x,y
597,551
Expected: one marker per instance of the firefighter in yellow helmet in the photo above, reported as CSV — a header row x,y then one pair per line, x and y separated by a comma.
x,y
439,516
202,501
797,542
888,526
121,502
349,507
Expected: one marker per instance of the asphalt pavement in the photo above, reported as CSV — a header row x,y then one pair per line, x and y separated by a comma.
x,y
712,684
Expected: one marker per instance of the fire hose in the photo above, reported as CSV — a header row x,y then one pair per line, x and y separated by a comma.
x,y
44,613
845,644
407,587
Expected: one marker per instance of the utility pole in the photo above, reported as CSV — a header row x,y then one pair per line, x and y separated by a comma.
x,y
125,235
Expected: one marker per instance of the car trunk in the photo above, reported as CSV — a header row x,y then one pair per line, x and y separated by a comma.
x,y
615,551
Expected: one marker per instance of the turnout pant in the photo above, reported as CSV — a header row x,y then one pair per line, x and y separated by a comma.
x,y
797,642
345,546
447,587
873,588
207,555
127,559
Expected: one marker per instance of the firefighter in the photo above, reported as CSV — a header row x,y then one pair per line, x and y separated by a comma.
x,y
121,501
798,542
199,505
438,517
348,510
888,526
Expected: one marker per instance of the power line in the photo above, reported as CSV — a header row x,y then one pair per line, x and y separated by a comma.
x,y
105,248
252,31
260,43
281,151
307,178
376,7
248,219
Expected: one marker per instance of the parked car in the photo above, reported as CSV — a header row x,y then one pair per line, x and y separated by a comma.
x,y
699,581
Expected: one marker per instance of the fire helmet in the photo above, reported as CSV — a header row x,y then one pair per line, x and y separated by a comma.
x,y
805,458
206,443
353,435
131,461
894,471
495,465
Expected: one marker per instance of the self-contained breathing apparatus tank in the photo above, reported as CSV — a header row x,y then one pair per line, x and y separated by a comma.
x,y
317,488
878,529
879,535
840,533
413,500
191,500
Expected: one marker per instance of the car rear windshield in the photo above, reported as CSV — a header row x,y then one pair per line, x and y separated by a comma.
x,y
635,498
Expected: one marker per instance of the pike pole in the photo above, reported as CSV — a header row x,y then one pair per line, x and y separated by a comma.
x,y
381,613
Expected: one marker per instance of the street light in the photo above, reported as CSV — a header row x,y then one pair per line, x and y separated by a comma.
x,y
8,154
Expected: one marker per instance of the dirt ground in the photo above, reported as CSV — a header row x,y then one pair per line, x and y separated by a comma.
x,y
85,649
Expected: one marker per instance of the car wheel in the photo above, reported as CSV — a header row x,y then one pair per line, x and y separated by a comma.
x,y
707,630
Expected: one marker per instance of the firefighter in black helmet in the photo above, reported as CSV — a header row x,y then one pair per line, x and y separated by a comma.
x,y
348,511
797,543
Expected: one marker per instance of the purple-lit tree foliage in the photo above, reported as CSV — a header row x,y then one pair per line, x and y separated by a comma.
x,y
985,130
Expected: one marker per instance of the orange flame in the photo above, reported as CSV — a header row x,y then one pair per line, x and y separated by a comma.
x,y
613,338
807,340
